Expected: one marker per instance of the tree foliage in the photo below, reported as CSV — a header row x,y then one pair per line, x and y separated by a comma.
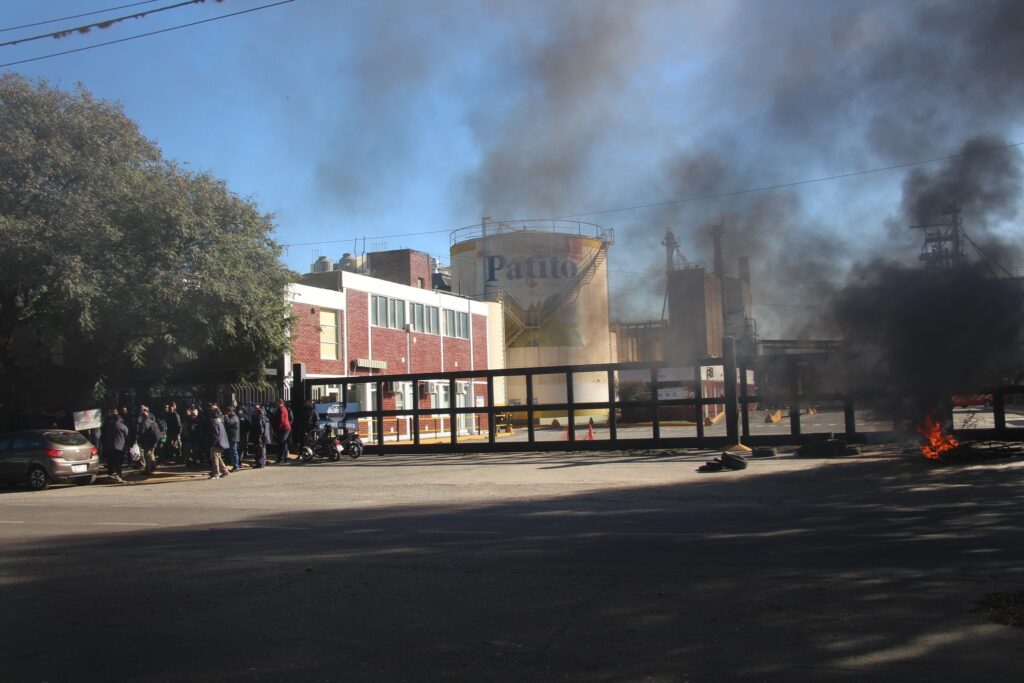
x,y
117,265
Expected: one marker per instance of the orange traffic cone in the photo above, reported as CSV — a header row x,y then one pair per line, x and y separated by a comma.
x,y
590,431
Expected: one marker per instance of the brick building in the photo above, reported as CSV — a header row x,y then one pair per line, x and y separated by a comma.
x,y
346,324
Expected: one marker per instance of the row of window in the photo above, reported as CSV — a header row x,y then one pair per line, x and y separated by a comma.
x,y
388,312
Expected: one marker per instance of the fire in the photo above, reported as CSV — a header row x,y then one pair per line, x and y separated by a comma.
x,y
935,441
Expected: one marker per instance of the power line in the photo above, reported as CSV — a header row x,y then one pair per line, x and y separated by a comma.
x,y
796,183
378,237
734,193
106,23
989,261
76,16
145,35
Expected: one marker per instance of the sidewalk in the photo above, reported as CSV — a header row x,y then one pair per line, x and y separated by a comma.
x,y
166,473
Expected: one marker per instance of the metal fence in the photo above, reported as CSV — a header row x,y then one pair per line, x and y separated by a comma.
x,y
650,420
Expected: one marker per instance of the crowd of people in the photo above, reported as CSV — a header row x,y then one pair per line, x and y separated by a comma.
x,y
220,437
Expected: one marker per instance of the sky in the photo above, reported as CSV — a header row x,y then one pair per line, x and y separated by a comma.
x,y
388,124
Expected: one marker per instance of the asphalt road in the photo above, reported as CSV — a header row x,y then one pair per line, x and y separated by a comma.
x,y
512,567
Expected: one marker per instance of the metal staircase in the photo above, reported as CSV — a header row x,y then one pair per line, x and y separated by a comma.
x,y
519,319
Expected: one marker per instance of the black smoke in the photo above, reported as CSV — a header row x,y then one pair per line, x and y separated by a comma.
x,y
929,334
546,110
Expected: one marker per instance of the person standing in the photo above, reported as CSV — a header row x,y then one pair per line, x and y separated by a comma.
x,y
283,429
306,422
148,436
233,427
173,420
259,435
190,435
114,437
216,442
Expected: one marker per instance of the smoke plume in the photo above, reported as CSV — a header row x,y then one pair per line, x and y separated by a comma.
x,y
652,114
930,333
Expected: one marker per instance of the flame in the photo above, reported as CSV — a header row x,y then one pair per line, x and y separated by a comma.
x,y
935,441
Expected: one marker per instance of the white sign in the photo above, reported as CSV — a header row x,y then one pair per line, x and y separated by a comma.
x,y
675,374
670,393
88,419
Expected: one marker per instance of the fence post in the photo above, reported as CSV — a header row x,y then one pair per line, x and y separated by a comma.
x,y
794,398
999,411
744,403
655,421
613,421
732,429
849,416
570,399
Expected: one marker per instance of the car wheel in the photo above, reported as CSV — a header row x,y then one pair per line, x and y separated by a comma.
x,y
38,479
85,481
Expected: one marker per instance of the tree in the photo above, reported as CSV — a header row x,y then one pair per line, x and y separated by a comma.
x,y
116,265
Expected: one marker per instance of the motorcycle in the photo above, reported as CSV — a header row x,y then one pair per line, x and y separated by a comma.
x,y
351,444
326,442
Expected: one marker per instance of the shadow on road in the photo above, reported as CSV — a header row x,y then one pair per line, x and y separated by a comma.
x,y
848,571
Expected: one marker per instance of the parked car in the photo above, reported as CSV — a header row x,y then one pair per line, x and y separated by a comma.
x,y
40,457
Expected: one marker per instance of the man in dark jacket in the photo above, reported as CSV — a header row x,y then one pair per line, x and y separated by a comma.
x,y
173,420
259,434
306,421
148,436
190,434
216,442
233,427
114,439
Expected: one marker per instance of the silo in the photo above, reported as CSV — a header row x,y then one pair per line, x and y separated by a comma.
x,y
551,278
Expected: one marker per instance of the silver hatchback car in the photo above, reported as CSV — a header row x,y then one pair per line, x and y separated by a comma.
x,y
40,457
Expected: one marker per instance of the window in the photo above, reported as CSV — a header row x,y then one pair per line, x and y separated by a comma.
x,y
66,438
365,394
329,335
23,441
385,312
456,324
403,396
424,318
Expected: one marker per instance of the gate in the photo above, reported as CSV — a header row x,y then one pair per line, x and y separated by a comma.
x,y
464,411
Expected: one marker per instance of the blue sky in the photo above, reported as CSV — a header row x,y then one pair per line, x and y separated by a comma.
x,y
397,121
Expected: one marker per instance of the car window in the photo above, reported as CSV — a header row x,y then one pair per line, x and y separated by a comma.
x,y
27,441
66,438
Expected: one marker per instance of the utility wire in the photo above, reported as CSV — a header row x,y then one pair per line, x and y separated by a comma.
x,y
796,183
145,35
734,193
76,16
988,259
106,23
